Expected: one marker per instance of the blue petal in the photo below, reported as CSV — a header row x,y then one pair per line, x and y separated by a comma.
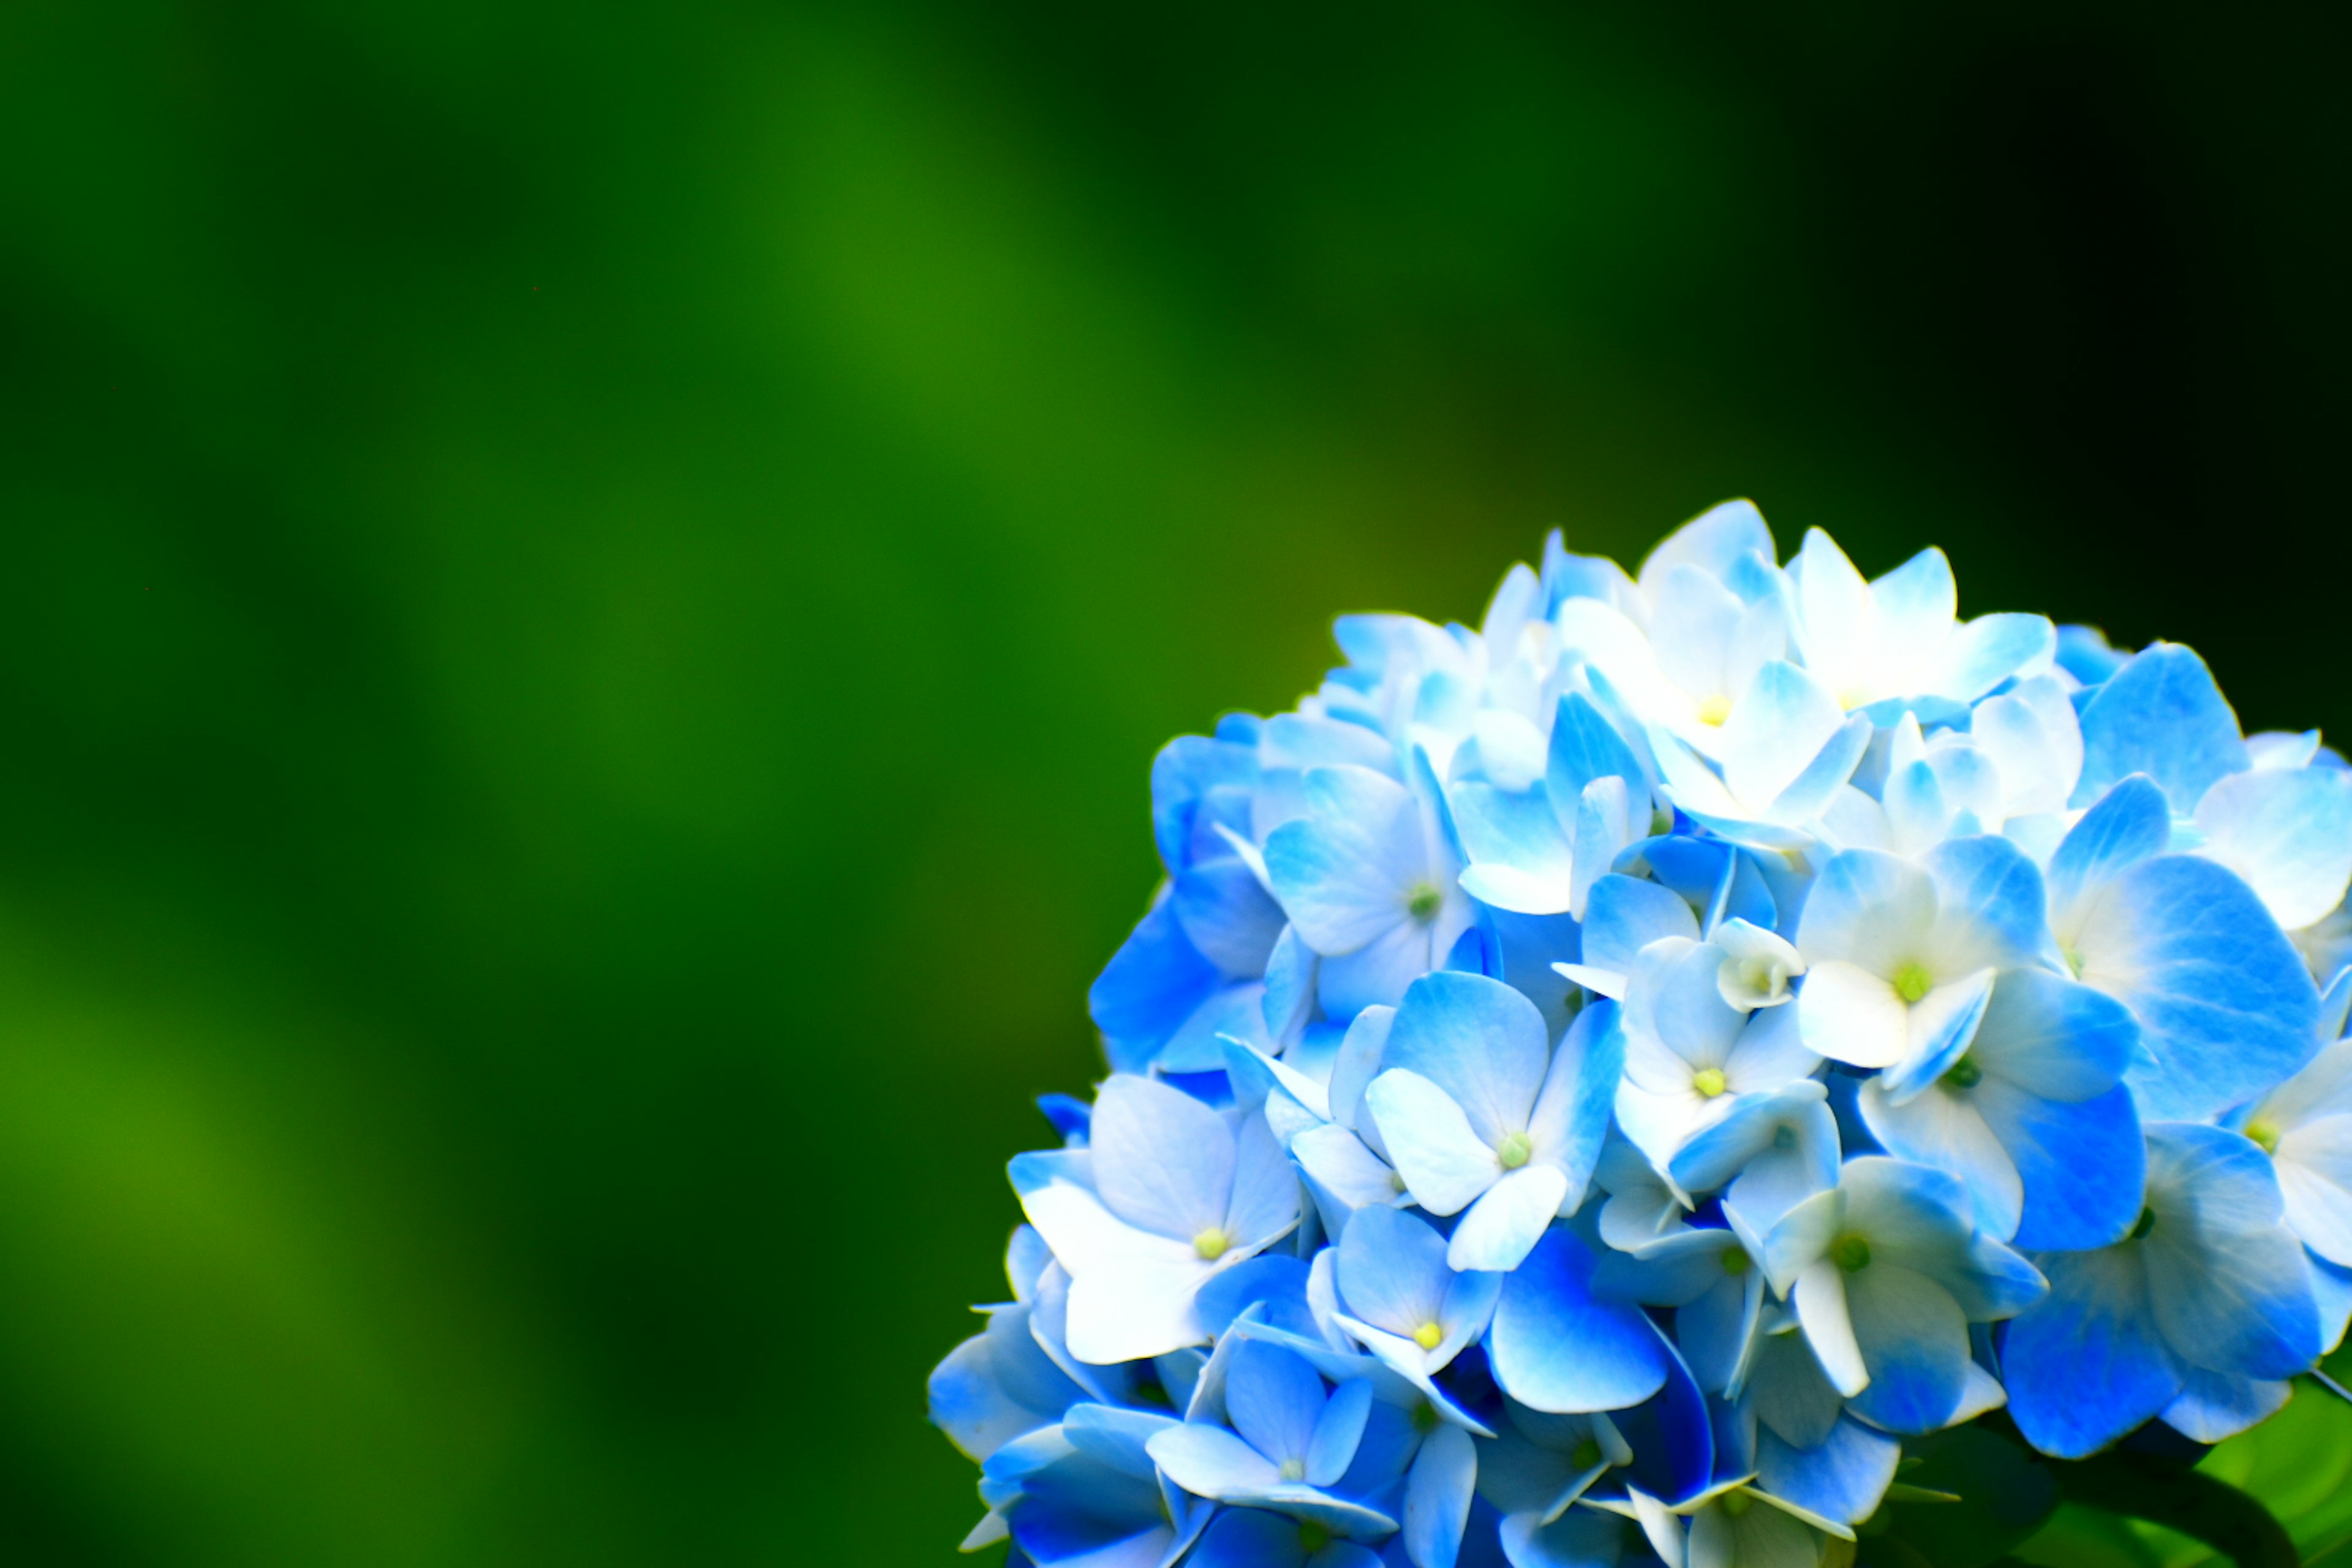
x,y
2087,1365
1696,869
1477,1040
1842,1479
1226,910
1915,1345
1585,746
2226,1281
1988,882
2054,1038
2214,1407
1625,915
1077,1505
1345,871
1391,1270
1250,1538
2082,1163
1437,1497
2160,715
1337,1432
1520,854
1274,1400
1581,1538
1153,984
2131,822
1555,1346
1275,1280
1672,1436
2225,1004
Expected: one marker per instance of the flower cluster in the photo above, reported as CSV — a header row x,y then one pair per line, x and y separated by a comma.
x,y
1597,1084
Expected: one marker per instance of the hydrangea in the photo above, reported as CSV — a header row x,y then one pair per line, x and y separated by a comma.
x,y
1600,1087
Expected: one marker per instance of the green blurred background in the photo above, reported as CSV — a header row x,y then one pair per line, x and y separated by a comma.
x,y
588,592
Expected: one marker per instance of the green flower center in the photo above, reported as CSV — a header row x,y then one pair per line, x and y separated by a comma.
x,y
1294,1470
1587,1455
2147,1223
1735,1261
1708,1081
1963,1074
1913,982
1426,1418
1736,1503
1851,1253
1424,902
2263,1132
1313,1538
1513,1151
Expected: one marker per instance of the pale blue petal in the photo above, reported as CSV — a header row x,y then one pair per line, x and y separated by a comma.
x,y
1780,726
2131,822
1437,1497
1570,1119
1346,871
1915,1343
1584,747
2287,833
1274,1400
1852,1014
1477,1040
1625,915
2331,1292
1842,1479
1939,1029
1339,1431
1163,1161
1987,651
1991,904
1555,1346
1229,915
1520,859
1359,1061
1788,1139
1945,1127
1391,1270
1581,1538
1210,1462
1868,909
2080,1162
1808,795
2227,1279
1716,541
2087,1365
2054,1038
1506,1223
2160,715
2225,1004
1670,1272
1289,986
1376,975
1116,1437
2214,1407
1445,1165
1791,1395
1153,984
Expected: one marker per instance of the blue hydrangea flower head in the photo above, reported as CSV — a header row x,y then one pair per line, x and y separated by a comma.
x,y
1612,1083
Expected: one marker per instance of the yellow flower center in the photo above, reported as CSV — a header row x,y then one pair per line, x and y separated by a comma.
x,y
1429,1336
2264,1132
1708,1081
1211,1244
1513,1151
1715,710
1913,982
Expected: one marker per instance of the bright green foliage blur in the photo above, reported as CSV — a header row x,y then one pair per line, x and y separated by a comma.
x,y
590,590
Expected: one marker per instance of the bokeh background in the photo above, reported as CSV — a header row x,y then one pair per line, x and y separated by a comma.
x,y
589,591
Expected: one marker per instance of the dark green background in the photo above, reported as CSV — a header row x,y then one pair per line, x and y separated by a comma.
x,y
588,592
